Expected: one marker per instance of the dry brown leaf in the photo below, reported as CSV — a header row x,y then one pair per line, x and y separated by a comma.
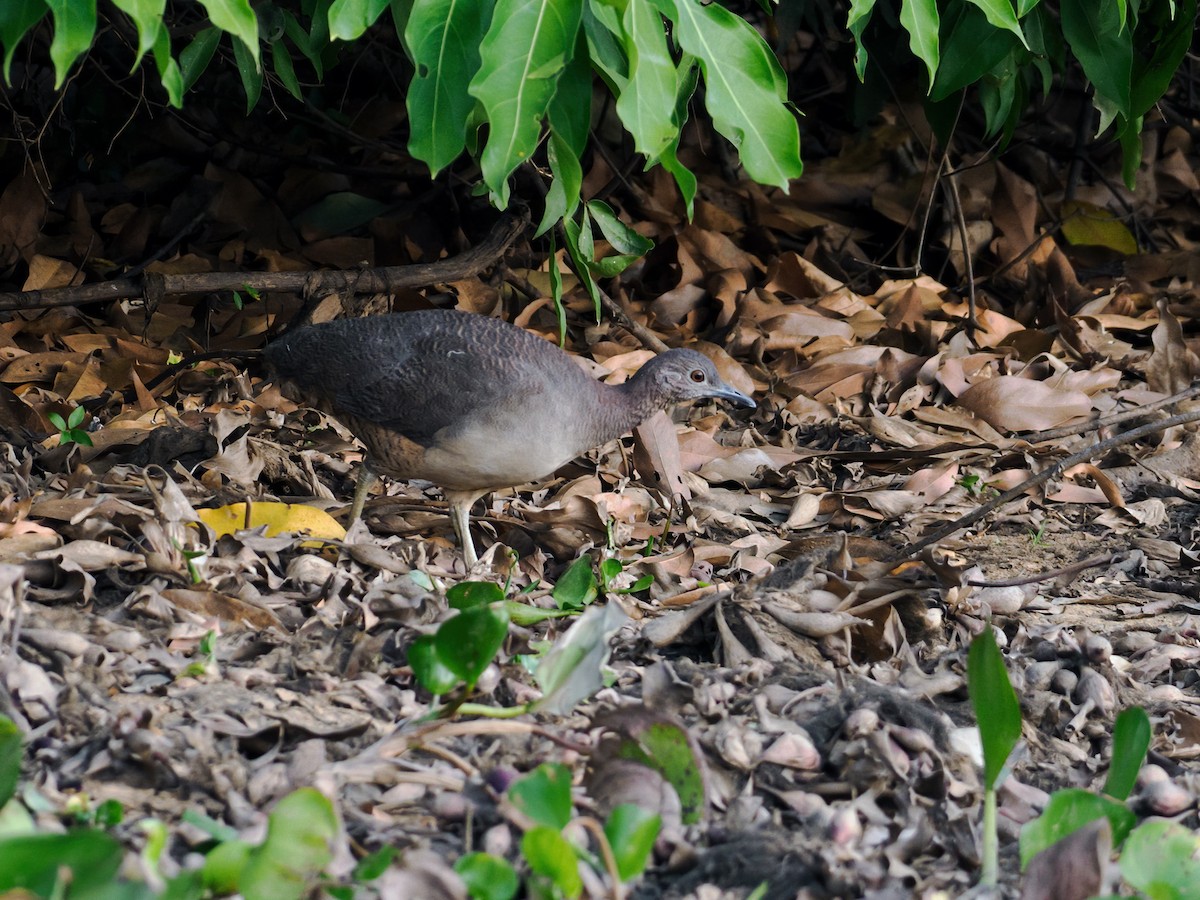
x,y
1009,403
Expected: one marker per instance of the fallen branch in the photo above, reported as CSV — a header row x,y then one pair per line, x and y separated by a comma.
x,y
1045,475
152,286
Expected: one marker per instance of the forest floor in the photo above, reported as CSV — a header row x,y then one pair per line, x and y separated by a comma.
x,y
789,626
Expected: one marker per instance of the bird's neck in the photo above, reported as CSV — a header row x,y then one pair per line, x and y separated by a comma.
x,y
622,407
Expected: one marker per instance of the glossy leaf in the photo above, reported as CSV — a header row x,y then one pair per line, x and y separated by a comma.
x,y
236,17
745,89
467,594
1000,15
147,15
433,675
348,19
1067,811
622,238
664,747
549,855
970,48
524,51
169,72
631,831
544,795
920,19
646,104
197,55
857,20
443,37
17,17
574,668
569,118
995,703
1166,39
1130,741
577,586
468,642
285,71
74,28
1104,49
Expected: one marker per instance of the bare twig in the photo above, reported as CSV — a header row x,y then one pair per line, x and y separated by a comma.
x,y
1045,475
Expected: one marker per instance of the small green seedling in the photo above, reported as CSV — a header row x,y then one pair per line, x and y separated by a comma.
x,y
544,797
206,662
71,431
999,716
251,292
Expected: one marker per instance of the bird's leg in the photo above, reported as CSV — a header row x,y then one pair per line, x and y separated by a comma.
x,y
460,516
366,478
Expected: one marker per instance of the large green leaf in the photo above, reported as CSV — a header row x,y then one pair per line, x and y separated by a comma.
x,y
1000,14
87,860
348,19
443,37
147,15
1104,49
745,89
1167,39
74,28
300,832
1162,860
995,704
1067,811
971,47
16,18
237,17
522,55
920,19
647,103
570,118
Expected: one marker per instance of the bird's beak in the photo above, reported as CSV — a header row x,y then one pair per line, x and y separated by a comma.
x,y
728,392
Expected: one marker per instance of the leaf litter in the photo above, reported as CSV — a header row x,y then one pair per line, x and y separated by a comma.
x,y
782,639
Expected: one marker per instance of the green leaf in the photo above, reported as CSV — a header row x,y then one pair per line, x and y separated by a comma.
x,y
57,421
622,238
1130,741
570,117
1000,14
610,568
631,832
443,37
433,674
169,72
74,28
1167,40
665,748
544,795
285,71
1104,49
487,877
17,17
605,44
197,55
556,291
1067,811
298,847
995,703
147,15
10,758
467,594
374,864
646,103
550,856
468,642
577,587
250,73
525,49
523,614
236,17
746,90
338,213
582,251
348,19
574,667
75,419
970,48
856,22
1162,860
37,862
920,19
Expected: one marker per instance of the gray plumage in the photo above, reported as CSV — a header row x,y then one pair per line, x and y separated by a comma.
x,y
473,403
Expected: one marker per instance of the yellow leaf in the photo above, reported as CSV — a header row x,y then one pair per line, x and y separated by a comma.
x,y
1087,224
278,517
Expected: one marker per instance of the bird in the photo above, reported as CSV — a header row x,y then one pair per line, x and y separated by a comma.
x,y
470,402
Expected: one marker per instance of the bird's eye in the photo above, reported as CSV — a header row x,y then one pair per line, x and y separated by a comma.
x,y
698,376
